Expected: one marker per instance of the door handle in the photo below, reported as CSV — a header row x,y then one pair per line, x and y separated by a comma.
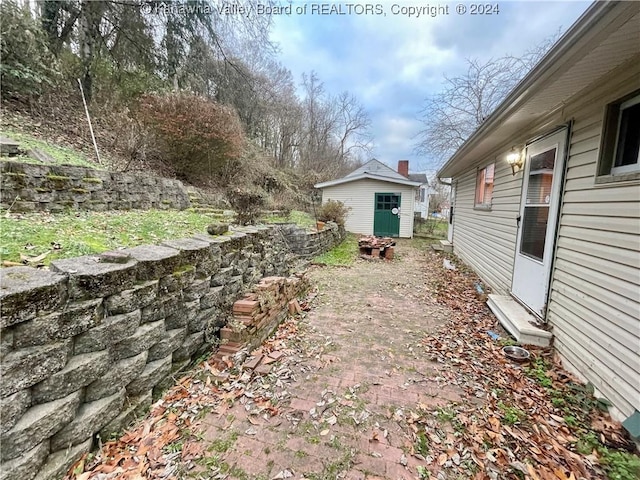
x,y
518,218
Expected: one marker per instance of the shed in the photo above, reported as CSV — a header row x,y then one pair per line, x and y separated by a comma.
x,y
381,200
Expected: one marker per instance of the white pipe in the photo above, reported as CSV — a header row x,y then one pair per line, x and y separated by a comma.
x,y
93,137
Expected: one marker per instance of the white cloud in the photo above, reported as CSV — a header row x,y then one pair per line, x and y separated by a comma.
x,y
392,63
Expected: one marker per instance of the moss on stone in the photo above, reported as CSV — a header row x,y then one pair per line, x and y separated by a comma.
x,y
92,180
182,270
58,178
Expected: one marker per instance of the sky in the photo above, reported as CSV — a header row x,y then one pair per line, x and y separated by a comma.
x,y
392,59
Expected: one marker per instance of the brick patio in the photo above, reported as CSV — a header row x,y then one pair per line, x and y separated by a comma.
x,y
356,372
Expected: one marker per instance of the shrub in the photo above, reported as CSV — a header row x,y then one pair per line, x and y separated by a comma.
x,y
246,204
333,211
27,66
198,137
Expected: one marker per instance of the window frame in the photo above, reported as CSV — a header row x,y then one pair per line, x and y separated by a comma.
x,y
607,172
480,188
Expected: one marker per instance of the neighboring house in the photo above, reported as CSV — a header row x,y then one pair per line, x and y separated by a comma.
x,y
445,209
381,200
546,203
421,207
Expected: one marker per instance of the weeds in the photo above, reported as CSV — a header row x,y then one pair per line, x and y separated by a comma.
x,y
422,444
445,414
511,415
223,444
538,371
619,465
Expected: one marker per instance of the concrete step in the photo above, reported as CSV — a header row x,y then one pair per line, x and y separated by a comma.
x,y
446,245
518,321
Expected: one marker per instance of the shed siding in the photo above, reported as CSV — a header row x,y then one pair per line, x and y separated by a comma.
x,y
359,195
486,239
594,305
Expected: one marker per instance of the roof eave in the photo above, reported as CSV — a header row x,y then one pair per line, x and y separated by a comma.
x,y
364,176
529,85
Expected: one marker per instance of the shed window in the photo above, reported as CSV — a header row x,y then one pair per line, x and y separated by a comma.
x,y
484,186
620,150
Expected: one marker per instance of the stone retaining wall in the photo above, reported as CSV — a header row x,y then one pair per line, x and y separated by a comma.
x,y
309,244
87,345
54,188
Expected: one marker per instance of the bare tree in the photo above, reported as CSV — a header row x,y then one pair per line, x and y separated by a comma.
x,y
452,115
333,130
354,126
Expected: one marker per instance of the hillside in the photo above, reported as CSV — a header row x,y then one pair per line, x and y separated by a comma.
x,y
174,93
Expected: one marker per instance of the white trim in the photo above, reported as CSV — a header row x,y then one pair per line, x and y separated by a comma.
x,y
362,176
632,167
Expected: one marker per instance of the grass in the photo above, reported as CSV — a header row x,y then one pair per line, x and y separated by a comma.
x,y
221,445
435,228
62,155
302,219
342,255
88,233
335,469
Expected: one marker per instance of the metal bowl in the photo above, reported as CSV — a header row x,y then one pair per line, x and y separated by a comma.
x,y
517,354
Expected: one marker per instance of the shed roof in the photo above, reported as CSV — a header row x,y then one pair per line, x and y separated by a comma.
x,y
374,170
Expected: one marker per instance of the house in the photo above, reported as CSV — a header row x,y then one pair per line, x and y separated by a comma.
x,y
423,194
546,203
381,199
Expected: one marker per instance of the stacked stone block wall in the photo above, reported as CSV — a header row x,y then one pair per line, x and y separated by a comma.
x,y
87,345
28,187
311,243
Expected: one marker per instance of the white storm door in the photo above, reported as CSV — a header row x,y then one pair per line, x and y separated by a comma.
x,y
537,220
452,201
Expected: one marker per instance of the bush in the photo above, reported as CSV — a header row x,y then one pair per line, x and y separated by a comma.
x,y
198,137
27,66
334,211
246,204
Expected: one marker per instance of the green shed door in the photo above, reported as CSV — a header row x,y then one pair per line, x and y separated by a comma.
x,y
386,217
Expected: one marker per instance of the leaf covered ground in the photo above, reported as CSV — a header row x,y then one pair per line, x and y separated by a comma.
x,y
388,373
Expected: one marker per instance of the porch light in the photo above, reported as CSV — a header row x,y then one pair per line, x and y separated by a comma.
x,y
514,159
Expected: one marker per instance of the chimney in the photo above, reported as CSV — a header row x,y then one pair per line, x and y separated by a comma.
x,y
403,167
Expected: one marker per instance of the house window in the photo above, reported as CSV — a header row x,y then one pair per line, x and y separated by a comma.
x,y
484,186
422,192
620,149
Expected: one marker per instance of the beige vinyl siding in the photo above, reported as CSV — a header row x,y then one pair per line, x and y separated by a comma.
x,y
360,196
594,305
486,239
